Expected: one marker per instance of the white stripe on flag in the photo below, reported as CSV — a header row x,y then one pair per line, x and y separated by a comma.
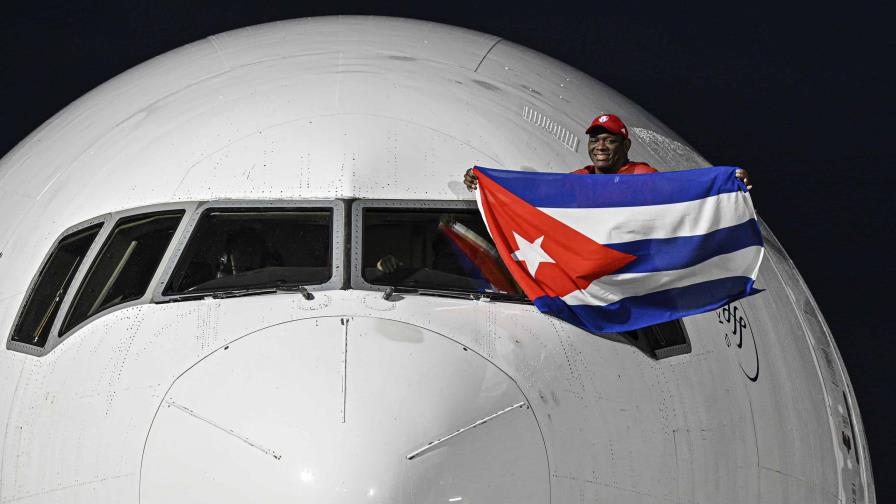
x,y
625,224
478,194
611,288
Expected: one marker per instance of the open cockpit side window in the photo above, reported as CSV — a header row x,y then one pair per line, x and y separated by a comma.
x,y
36,317
431,249
243,248
125,266
662,340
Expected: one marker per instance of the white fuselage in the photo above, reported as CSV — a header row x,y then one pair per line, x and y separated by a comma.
x,y
279,398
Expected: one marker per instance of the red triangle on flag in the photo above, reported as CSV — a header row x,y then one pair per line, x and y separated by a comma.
x,y
577,259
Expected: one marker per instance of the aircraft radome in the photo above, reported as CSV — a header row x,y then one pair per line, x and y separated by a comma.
x,y
193,310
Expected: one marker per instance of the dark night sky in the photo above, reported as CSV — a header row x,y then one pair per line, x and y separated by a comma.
x,y
803,99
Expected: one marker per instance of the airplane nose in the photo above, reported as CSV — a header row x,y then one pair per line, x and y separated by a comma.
x,y
344,409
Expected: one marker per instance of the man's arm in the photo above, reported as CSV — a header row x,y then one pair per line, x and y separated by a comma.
x,y
471,181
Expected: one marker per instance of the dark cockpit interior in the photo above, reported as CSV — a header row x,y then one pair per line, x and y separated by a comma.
x,y
433,250
250,248
240,248
234,249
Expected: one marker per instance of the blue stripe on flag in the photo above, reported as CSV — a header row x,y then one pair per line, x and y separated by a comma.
x,y
650,309
681,252
568,190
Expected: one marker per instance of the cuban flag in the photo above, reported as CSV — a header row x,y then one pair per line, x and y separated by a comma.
x,y
613,253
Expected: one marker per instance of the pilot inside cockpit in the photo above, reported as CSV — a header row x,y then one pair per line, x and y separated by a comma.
x,y
235,248
432,250
246,250
443,258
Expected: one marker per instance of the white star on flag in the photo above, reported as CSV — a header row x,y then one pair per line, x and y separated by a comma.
x,y
530,253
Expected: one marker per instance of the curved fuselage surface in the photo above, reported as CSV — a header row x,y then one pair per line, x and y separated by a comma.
x,y
342,393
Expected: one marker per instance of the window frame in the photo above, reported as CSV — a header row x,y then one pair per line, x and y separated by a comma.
x,y
106,235
52,340
358,207
180,241
110,220
193,210
640,339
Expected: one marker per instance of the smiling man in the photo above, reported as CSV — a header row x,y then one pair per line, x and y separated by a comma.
x,y
608,146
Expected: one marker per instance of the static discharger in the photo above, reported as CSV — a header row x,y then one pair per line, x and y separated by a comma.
x,y
413,455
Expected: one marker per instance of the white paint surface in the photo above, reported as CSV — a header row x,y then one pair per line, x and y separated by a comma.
x,y
383,108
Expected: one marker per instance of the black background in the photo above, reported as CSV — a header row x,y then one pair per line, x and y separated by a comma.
x,y
800,97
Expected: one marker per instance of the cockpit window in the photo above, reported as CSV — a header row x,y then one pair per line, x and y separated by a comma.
x,y
251,248
33,327
427,249
125,266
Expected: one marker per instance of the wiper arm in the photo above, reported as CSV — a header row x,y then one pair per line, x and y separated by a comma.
x,y
447,293
280,287
295,287
241,292
501,296
393,289
497,296
227,294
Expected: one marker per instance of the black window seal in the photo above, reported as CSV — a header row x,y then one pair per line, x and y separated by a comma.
x,y
55,339
188,207
111,226
36,351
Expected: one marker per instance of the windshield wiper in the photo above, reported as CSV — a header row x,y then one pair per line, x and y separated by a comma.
x,y
390,291
233,293
501,296
426,292
295,287
497,296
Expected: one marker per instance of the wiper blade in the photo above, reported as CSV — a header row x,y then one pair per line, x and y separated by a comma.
x,y
502,296
447,293
241,292
234,293
497,296
392,290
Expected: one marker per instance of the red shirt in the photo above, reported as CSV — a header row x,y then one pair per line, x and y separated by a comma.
x,y
630,168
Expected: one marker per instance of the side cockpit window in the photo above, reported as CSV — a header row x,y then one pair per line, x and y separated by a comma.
x,y
239,249
432,249
156,255
125,266
36,318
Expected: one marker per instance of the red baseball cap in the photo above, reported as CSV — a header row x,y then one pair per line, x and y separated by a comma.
x,y
609,122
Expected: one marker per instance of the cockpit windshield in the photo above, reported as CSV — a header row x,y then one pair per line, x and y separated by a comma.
x,y
432,249
252,248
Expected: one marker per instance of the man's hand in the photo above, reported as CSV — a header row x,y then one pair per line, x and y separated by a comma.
x,y
388,264
471,180
744,177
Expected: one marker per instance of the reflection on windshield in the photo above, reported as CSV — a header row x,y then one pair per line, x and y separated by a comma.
x,y
125,265
245,248
33,328
432,250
